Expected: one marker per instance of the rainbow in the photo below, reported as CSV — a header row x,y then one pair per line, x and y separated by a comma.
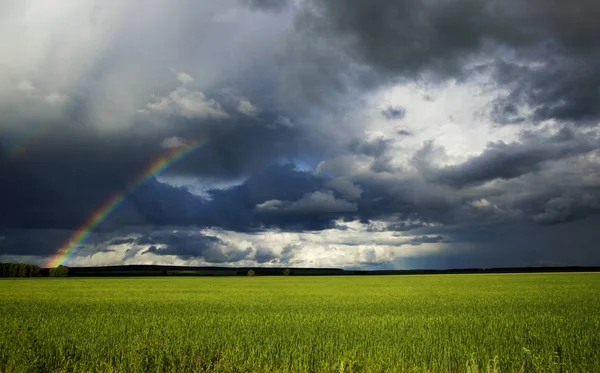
x,y
116,200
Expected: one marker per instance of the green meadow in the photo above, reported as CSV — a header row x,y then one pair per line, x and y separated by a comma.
x,y
439,323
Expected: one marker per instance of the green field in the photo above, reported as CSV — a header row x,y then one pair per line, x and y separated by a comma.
x,y
439,323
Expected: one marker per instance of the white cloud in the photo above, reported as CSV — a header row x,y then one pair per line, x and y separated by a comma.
x,y
172,142
189,104
57,98
184,78
281,121
245,107
26,87
354,246
111,56
483,203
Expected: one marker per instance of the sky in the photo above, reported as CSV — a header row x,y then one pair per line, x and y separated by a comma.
x,y
337,133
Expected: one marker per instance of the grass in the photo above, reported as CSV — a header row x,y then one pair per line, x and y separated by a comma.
x,y
440,323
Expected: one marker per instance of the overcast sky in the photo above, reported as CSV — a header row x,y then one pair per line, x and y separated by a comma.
x,y
359,134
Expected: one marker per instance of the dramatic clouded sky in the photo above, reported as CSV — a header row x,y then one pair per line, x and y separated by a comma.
x,y
376,134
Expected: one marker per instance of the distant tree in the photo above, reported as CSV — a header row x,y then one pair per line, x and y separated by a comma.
x,y
19,270
35,271
251,273
13,270
64,271
60,271
286,272
23,270
4,269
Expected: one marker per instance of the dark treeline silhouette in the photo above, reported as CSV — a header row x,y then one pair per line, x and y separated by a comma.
x,y
156,270
31,270
19,270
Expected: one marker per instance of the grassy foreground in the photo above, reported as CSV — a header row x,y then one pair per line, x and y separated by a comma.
x,y
443,323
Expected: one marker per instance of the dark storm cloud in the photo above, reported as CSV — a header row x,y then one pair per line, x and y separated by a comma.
x,y
277,187
150,250
38,193
408,40
505,161
316,203
264,256
288,253
249,149
405,38
235,145
269,5
189,245
32,241
404,132
73,170
516,243
46,242
559,197
561,90
160,204
505,112
62,191
401,226
374,148
394,113
62,181
539,178
424,239
121,241
569,207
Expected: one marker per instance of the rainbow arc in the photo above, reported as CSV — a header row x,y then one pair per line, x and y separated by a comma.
x,y
116,200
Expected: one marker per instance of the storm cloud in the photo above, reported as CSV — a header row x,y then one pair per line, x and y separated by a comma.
x,y
507,161
394,112
188,245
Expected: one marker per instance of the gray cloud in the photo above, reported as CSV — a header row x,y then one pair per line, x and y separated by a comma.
x,y
312,203
371,147
269,5
517,243
264,256
122,241
424,239
345,188
394,113
192,245
561,90
31,241
404,40
506,161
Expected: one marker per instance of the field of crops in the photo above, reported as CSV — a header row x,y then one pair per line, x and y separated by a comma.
x,y
439,323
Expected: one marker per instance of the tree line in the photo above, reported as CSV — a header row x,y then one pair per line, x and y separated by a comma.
x,y
31,270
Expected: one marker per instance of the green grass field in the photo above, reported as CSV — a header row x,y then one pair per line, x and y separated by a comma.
x,y
440,323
